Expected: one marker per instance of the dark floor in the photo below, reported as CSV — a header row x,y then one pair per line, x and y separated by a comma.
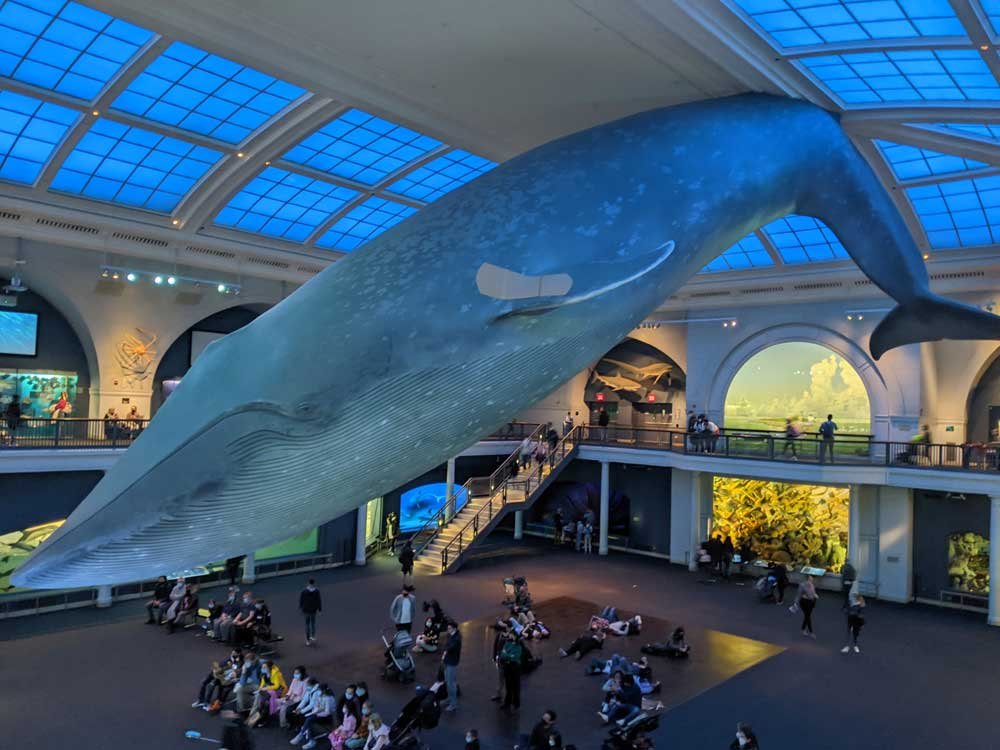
x,y
925,679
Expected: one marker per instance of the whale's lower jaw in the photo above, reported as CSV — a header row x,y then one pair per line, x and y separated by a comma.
x,y
262,475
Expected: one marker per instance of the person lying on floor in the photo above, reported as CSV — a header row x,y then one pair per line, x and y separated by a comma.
x,y
617,663
220,680
643,674
676,648
632,626
623,705
584,645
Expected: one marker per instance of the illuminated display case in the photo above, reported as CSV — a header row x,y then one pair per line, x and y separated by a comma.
x,y
43,395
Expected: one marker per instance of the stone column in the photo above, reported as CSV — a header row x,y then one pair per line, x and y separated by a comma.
x,y
103,597
994,616
602,546
518,525
449,492
854,527
361,536
698,489
249,568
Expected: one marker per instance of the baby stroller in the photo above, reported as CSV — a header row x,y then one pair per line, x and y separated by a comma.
x,y
398,660
516,592
633,734
422,711
766,585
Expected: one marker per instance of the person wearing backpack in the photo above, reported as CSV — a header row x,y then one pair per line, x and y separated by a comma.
x,y
826,431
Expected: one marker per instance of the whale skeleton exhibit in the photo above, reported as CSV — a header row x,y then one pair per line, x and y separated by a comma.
x,y
401,355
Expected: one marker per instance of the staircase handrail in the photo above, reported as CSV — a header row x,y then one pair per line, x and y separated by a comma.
x,y
559,450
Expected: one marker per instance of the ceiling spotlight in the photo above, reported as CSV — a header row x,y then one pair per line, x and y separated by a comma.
x,y
130,276
861,317
239,154
115,275
221,288
850,317
105,273
171,280
267,163
95,113
175,222
732,324
984,47
927,256
726,324
157,280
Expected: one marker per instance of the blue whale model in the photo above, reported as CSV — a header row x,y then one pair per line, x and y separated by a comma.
x,y
405,353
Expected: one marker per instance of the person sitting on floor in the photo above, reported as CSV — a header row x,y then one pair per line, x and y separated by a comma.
x,y
349,715
248,682
186,609
584,645
625,704
222,628
160,601
378,734
676,648
220,679
320,712
349,697
361,733
428,640
643,674
266,701
296,717
293,694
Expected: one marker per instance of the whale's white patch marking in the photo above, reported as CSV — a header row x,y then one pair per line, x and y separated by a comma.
x,y
502,283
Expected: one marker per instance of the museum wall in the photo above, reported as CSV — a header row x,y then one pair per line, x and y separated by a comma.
x,y
949,533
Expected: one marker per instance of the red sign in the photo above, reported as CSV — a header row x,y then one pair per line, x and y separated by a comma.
x,y
651,397
599,397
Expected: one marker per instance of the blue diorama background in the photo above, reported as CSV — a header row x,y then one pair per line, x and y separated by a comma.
x,y
421,504
18,333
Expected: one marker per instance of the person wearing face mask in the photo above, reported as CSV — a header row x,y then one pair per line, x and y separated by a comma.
x,y
220,678
401,610
248,682
450,659
348,699
159,602
266,702
176,594
511,657
244,620
363,694
187,609
378,734
360,736
293,694
222,628
261,625
349,715
546,726
309,699
472,739
321,712
745,738
310,605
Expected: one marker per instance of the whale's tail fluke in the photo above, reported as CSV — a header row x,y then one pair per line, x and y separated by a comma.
x,y
932,318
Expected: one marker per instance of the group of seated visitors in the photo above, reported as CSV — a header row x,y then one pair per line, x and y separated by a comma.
x,y
238,620
175,605
309,708
434,625
522,621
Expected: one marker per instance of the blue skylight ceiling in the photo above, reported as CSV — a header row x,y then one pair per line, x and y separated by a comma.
x,y
747,253
134,167
196,91
359,146
63,46
965,129
910,162
992,8
803,239
30,132
906,76
284,204
442,175
964,213
364,222
796,23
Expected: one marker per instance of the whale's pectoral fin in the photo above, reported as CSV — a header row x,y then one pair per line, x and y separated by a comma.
x,y
931,319
553,289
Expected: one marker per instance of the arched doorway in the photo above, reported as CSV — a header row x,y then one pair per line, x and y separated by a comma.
x,y
799,380
983,409
638,385
177,360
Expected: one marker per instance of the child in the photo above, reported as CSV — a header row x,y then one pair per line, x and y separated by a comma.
x,y
588,535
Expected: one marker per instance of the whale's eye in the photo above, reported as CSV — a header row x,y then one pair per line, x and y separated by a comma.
x,y
502,283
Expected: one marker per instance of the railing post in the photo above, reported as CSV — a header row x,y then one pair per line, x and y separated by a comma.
x,y
56,437
770,447
888,451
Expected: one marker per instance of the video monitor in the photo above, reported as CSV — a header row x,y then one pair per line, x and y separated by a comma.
x,y
18,333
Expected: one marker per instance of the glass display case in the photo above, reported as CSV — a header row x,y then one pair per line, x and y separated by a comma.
x,y
43,395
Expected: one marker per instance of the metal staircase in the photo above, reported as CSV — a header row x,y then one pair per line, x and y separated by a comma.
x,y
442,545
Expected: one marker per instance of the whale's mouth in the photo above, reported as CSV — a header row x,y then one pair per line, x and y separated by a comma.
x,y
551,291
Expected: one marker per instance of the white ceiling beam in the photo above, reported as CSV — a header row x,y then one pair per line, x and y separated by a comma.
x,y
937,179
877,45
933,140
100,105
980,31
896,193
769,247
229,176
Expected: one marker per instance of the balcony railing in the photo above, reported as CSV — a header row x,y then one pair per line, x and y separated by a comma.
x,y
846,449
70,432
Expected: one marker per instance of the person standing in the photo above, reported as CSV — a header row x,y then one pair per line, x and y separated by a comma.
x,y
602,421
391,531
450,659
558,521
848,575
791,433
588,537
728,551
805,600
567,425
511,656
233,568
401,610
826,432
310,604
855,619
406,563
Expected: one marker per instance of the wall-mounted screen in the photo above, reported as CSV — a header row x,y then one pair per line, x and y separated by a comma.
x,y
421,504
201,339
18,333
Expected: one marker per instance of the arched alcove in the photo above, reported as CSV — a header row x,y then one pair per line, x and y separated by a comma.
x,y
181,354
883,400
983,404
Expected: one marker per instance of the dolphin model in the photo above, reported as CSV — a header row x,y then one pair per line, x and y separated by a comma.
x,y
403,354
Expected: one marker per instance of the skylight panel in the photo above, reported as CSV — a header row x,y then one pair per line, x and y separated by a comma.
x,y
966,129
963,213
803,239
133,167
906,75
749,252
30,132
992,9
63,46
797,23
910,162
361,147
206,94
442,175
283,204
364,222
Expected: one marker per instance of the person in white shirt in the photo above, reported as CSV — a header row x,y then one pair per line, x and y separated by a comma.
x,y
401,610
176,594
567,425
378,733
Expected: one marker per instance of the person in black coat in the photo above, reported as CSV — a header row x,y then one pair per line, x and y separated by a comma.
x,y
233,568
781,575
235,735
745,738
586,643
160,601
472,739
406,563
539,738
310,605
